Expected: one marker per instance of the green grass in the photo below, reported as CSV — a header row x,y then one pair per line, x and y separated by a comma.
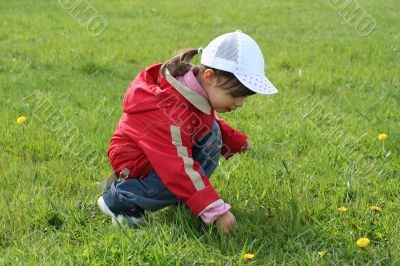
x,y
324,123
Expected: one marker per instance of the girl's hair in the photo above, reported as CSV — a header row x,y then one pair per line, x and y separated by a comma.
x,y
179,65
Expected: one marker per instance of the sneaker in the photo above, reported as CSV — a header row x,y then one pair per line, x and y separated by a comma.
x,y
121,218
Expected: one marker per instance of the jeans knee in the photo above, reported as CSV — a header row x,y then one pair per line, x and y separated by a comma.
x,y
214,142
207,149
216,130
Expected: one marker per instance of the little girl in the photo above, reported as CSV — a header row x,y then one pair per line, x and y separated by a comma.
x,y
168,140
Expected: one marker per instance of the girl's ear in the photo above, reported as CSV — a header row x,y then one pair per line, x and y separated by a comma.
x,y
209,75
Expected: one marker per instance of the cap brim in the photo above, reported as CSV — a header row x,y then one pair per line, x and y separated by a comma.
x,y
257,83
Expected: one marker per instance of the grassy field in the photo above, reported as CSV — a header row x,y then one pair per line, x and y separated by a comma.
x,y
338,92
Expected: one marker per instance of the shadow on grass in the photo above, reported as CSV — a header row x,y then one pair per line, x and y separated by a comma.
x,y
260,232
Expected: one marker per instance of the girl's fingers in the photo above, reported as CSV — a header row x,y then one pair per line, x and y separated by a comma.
x,y
247,146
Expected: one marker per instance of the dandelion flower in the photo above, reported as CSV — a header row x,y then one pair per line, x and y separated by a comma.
x,y
322,253
375,208
248,256
382,136
211,261
363,242
342,209
21,119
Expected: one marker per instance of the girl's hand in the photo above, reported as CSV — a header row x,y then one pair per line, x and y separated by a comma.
x,y
226,222
247,146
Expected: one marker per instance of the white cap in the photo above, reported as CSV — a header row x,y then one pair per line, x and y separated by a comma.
x,y
239,54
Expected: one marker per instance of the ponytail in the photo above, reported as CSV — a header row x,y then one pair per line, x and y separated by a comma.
x,y
179,64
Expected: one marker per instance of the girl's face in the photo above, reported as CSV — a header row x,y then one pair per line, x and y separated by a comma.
x,y
219,97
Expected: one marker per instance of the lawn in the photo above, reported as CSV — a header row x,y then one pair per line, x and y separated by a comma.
x,y
338,90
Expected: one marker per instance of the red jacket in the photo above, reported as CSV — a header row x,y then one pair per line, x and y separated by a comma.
x,y
162,120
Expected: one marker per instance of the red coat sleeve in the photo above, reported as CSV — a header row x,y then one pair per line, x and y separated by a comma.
x,y
169,150
233,140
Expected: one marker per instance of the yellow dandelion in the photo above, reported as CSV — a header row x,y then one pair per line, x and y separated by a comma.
x,y
248,256
322,253
21,119
375,208
382,136
342,209
211,261
363,242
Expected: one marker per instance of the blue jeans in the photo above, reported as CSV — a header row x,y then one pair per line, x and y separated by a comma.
x,y
150,193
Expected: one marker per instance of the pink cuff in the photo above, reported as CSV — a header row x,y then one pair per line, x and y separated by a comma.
x,y
212,214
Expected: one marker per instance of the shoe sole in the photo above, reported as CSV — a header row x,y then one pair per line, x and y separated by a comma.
x,y
122,219
104,208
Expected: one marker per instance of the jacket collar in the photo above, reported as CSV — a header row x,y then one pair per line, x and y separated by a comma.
x,y
198,101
